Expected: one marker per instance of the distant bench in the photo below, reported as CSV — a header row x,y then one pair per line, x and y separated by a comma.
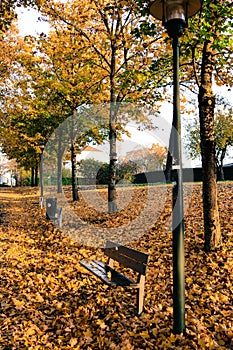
x,y
53,212
128,258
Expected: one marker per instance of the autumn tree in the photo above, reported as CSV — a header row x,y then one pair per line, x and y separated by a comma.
x,y
65,73
73,85
120,55
209,44
49,81
223,138
223,131
148,158
15,129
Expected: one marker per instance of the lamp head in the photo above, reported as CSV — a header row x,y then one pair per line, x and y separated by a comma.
x,y
174,12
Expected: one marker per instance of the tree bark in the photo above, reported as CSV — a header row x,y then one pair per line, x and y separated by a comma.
x,y
59,163
41,180
74,173
112,206
220,172
219,164
36,175
168,170
32,176
206,98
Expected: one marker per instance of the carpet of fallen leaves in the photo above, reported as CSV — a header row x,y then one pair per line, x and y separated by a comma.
x,y
48,301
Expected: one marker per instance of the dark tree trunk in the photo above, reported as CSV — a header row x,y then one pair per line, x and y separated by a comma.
x,y
59,174
206,98
36,175
74,174
59,164
168,170
32,176
112,206
219,163
220,172
41,181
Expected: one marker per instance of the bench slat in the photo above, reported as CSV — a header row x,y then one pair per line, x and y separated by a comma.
x,y
100,269
128,257
133,253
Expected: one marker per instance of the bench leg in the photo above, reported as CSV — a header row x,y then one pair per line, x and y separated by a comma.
x,y
140,295
41,202
59,217
60,221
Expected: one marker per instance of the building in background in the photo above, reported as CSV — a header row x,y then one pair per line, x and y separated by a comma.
x,y
7,171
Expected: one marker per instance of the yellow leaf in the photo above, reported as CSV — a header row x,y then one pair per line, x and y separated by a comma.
x,y
18,303
101,324
39,298
30,331
73,341
144,334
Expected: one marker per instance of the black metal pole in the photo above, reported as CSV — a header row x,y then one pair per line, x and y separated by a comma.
x,y
177,203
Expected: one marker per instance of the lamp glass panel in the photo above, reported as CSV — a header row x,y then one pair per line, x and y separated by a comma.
x,y
156,8
175,9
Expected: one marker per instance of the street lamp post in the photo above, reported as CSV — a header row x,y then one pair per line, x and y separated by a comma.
x,y
174,15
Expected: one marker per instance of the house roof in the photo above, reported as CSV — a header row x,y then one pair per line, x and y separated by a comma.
x,y
90,149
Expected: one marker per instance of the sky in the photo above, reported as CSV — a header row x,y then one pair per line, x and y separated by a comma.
x,y
29,23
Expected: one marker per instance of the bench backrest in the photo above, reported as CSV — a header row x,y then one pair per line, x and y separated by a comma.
x,y
126,256
51,206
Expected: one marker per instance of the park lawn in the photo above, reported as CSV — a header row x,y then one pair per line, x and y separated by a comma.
x,y
48,301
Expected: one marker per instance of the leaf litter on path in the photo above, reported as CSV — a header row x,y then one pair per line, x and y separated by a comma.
x,y
48,301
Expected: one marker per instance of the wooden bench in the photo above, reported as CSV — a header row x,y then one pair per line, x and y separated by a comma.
x,y
126,257
53,212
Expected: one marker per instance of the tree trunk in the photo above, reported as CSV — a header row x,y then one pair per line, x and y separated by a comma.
x,y
112,206
206,98
32,177
59,174
41,181
59,164
36,175
168,170
74,174
219,164
220,172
